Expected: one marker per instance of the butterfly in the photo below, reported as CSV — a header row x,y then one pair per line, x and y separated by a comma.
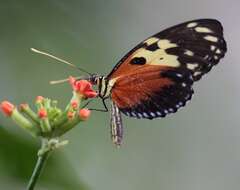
x,y
156,77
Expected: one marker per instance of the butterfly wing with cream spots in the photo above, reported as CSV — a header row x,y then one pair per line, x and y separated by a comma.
x,y
155,78
196,45
200,45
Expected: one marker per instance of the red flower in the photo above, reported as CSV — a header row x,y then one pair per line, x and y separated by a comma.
x,y
84,114
7,108
42,113
82,87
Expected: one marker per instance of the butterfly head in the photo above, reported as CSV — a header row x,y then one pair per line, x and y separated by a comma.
x,y
102,84
93,78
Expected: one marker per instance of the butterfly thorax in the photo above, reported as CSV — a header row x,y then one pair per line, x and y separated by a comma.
x,y
104,86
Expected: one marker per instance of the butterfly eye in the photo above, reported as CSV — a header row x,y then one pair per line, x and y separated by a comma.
x,y
138,61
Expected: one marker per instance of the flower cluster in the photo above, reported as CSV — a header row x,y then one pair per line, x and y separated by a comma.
x,y
83,88
49,120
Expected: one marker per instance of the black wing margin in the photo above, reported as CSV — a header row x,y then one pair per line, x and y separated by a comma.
x,y
200,44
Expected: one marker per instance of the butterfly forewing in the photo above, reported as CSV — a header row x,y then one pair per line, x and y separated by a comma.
x,y
200,44
196,45
155,78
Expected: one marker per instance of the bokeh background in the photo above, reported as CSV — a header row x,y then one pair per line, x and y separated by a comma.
x,y
196,148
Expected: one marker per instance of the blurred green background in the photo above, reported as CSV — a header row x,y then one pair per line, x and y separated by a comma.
x,y
196,148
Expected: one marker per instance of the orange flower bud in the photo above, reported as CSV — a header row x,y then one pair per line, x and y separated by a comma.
x,y
84,114
7,108
39,99
42,113
74,104
70,115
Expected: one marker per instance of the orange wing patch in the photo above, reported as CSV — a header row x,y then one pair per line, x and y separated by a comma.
x,y
138,85
152,91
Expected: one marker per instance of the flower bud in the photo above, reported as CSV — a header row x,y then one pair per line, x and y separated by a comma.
x,y
70,115
7,108
39,99
42,113
84,114
23,106
74,104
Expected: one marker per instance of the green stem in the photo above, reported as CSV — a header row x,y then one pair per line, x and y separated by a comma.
x,y
38,168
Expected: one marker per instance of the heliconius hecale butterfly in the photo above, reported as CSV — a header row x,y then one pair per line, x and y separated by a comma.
x,y
156,77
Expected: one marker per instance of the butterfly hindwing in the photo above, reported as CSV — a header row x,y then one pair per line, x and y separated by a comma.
x,y
152,93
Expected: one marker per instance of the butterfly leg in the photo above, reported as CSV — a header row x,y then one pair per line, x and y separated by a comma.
x,y
85,105
101,110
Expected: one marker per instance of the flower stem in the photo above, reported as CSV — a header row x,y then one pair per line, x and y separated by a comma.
x,y
38,168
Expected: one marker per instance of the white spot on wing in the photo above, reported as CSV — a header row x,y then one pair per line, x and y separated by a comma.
x,y
151,40
184,84
203,30
134,114
218,51
213,47
197,73
206,57
211,38
152,114
187,97
145,114
179,75
192,66
192,24
189,53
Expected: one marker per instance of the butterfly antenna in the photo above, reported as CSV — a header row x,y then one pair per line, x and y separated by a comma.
x,y
63,80
60,60
59,81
